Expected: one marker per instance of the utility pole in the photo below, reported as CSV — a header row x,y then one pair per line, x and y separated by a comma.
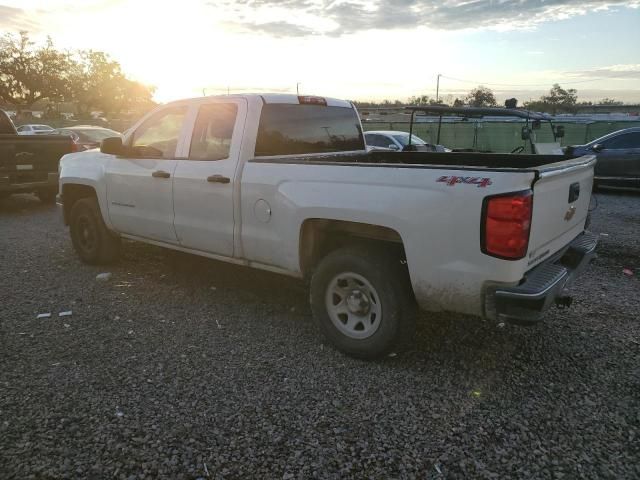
x,y
298,88
438,88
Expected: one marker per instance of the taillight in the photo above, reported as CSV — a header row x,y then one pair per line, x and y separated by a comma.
x,y
506,222
74,147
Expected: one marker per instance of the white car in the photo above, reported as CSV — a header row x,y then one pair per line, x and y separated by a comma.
x,y
33,129
398,141
283,183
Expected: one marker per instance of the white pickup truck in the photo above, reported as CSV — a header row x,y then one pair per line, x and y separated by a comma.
x,y
284,183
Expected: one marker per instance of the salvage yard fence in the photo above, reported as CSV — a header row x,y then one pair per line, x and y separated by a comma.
x,y
499,136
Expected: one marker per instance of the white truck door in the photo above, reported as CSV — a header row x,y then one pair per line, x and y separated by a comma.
x,y
204,182
140,184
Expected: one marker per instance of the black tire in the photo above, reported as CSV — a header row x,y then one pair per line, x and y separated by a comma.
x,y
47,195
391,285
93,242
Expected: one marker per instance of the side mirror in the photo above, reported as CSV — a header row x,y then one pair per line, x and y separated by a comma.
x,y
393,146
598,147
112,146
559,131
525,134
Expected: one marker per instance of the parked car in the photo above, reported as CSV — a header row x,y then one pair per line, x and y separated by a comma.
x,y
29,164
33,129
618,155
398,141
88,136
283,183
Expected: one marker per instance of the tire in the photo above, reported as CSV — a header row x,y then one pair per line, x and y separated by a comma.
x,y
93,242
360,297
47,195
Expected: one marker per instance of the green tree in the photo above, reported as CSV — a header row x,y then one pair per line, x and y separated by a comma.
x,y
481,97
98,83
29,73
609,101
558,100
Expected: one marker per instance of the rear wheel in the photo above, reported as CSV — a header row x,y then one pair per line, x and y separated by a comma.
x,y
91,239
361,301
47,195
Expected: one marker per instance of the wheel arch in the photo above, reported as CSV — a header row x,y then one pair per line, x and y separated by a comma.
x,y
321,236
71,193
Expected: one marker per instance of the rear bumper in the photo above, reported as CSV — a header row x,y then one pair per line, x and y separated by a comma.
x,y
527,302
13,186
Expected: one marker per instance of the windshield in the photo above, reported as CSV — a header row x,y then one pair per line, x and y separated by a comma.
x,y
404,139
41,127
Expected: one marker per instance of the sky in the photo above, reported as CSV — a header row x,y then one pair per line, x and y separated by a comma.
x,y
354,49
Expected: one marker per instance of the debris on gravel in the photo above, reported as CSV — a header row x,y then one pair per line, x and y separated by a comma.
x,y
161,375
103,277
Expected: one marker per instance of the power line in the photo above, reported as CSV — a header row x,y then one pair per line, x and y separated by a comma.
x,y
516,84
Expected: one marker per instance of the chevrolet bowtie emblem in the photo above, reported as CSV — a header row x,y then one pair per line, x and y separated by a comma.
x,y
570,213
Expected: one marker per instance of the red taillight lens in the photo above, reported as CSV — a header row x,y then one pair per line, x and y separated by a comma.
x,y
74,147
507,221
309,100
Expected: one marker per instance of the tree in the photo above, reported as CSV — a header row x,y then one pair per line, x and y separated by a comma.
x,y
29,73
423,100
98,83
481,97
558,100
610,102
561,99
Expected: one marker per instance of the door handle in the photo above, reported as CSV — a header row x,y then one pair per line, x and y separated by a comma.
x,y
218,179
160,174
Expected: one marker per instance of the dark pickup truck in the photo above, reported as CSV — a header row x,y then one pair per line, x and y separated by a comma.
x,y
29,163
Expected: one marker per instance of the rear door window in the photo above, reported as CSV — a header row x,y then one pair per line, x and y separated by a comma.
x,y
628,140
213,132
291,129
378,141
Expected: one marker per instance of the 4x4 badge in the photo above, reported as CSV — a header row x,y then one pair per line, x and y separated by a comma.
x,y
453,180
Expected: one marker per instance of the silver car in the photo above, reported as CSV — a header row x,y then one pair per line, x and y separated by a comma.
x,y
398,141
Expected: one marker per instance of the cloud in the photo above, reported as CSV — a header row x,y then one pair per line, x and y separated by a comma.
x,y
16,19
350,16
618,72
275,29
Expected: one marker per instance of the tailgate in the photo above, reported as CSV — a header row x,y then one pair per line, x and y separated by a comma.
x,y
561,198
31,158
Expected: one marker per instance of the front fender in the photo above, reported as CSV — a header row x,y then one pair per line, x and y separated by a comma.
x,y
88,169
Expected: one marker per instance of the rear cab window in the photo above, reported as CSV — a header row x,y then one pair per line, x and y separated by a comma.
x,y
299,129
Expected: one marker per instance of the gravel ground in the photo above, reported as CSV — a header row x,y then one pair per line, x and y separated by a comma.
x,y
180,367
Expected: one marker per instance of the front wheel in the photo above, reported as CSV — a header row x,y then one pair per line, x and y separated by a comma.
x,y
360,299
93,242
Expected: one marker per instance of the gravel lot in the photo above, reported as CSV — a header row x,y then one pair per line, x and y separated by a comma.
x,y
180,367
